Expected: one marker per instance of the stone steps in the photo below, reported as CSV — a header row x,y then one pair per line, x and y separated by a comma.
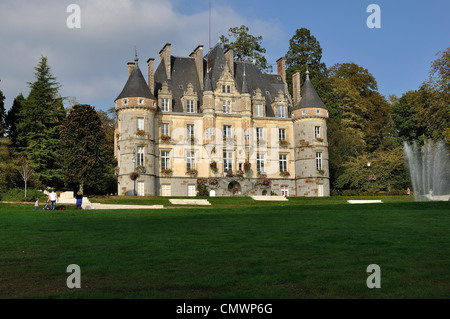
x,y
270,198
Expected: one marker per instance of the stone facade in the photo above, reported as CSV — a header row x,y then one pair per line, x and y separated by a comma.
x,y
219,122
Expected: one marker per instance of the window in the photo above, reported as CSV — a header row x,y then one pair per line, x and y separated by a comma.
x,y
165,107
227,131
190,130
140,123
227,161
165,160
317,111
283,163
282,134
125,102
281,111
284,191
259,110
260,162
165,129
247,136
141,101
227,107
140,155
303,112
226,88
209,133
317,131
190,106
259,133
191,191
140,188
318,160
190,160
165,190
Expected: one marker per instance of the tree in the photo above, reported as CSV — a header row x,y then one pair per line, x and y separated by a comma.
x,y
304,53
246,47
13,120
83,147
25,171
362,107
40,116
405,118
434,109
2,115
388,165
8,167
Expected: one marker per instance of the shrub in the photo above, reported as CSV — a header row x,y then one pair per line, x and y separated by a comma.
x,y
202,190
17,195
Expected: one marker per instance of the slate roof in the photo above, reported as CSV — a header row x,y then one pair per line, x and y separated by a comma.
x,y
309,97
136,86
183,72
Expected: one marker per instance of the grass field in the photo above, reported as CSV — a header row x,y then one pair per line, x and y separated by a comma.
x,y
236,248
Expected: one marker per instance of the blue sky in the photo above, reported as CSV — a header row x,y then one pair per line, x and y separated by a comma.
x,y
90,62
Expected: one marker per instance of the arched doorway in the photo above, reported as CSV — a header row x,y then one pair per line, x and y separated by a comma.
x,y
234,187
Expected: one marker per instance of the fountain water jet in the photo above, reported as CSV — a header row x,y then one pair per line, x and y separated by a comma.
x,y
429,168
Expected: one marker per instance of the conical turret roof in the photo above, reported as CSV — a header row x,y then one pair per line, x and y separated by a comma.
x,y
136,85
309,97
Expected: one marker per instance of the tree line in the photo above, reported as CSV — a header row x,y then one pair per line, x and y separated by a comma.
x,y
74,148
43,144
364,126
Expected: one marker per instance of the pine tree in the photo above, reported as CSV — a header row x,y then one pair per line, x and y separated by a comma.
x,y
13,119
246,47
83,144
40,117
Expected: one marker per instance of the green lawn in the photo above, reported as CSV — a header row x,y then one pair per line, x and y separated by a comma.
x,y
236,248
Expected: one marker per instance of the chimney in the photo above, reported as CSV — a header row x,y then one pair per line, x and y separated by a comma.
x,y
230,60
130,67
296,86
281,68
151,79
197,54
164,54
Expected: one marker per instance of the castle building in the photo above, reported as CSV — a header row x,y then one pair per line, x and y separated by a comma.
x,y
209,120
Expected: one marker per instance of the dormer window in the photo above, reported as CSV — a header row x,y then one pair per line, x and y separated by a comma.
x,y
190,106
281,111
226,88
165,105
259,110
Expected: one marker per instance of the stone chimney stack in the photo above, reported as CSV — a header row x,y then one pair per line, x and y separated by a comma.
x,y
281,68
296,86
151,78
197,54
130,67
230,60
164,54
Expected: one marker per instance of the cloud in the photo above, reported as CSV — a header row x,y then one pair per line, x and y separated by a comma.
x,y
90,62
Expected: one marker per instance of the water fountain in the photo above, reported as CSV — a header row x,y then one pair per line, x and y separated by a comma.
x,y
429,168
